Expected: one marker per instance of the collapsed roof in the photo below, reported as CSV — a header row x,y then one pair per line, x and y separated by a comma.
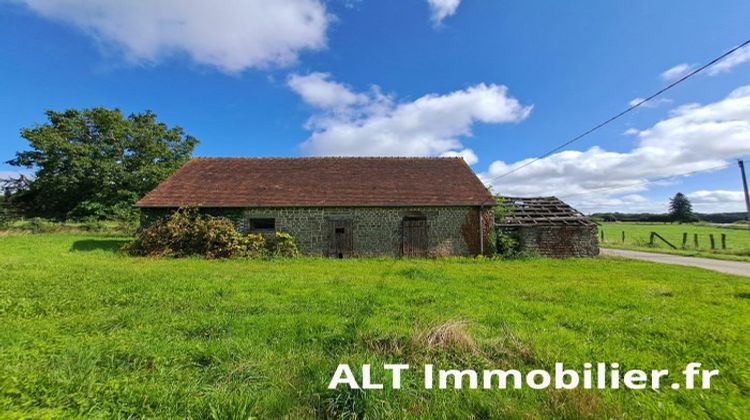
x,y
540,211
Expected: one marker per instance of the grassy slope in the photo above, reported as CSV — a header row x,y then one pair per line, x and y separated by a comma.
x,y
88,332
637,237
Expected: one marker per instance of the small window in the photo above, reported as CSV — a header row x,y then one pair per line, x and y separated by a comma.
x,y
263,225
340,230
414,216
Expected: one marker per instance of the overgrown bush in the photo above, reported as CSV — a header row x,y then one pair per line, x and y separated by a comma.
x,y
507,245
284,246
256,245
188,233
216,237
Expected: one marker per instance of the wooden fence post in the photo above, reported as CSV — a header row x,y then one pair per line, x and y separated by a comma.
x,y
684,240
711,237
623,236
723,241
695,240
651,239
602,233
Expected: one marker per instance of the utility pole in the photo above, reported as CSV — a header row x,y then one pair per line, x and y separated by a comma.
x,y
744,185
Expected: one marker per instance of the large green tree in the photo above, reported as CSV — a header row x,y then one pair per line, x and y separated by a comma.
x,y
97,162
680,209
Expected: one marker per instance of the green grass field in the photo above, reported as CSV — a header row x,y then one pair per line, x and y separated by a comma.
x,y
637,238
88,332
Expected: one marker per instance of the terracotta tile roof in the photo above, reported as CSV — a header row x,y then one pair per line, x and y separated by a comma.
x,y
323,181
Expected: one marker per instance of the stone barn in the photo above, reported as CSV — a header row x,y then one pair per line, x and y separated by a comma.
x,y
548,227
339,207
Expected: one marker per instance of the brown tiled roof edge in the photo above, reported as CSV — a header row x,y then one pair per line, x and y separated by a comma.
x,y
320,182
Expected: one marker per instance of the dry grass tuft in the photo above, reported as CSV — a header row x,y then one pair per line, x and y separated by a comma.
x,y
511,347
451,335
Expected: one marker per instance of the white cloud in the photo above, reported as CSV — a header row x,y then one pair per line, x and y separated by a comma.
x,y
629,203
316,89
703,201
441,9
467,154
232,35
717,201
677,72
650,104
738,57
379,125
692,138
631,132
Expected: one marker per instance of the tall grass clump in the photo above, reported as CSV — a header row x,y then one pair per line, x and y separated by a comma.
x,y
451,335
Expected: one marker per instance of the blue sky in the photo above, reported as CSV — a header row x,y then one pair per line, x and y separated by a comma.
x,y
495,81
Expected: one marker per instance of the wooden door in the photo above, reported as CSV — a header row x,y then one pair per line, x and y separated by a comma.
x,y
415,240
340,239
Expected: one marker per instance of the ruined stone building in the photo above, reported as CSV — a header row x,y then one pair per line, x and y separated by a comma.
x,y
546,226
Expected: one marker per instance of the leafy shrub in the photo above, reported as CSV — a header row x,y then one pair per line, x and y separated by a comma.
x,y
507,245
186,233
256,245
216,237
284,246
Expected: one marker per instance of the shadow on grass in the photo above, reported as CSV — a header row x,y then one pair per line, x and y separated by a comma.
x,y
88,245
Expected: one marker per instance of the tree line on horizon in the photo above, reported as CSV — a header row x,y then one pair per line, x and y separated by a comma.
x,y
680,211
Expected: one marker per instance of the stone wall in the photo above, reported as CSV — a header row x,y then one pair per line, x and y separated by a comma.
x,y
558,241
376,231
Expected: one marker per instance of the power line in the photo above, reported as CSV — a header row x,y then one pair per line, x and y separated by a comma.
x,y
630,108
648,181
